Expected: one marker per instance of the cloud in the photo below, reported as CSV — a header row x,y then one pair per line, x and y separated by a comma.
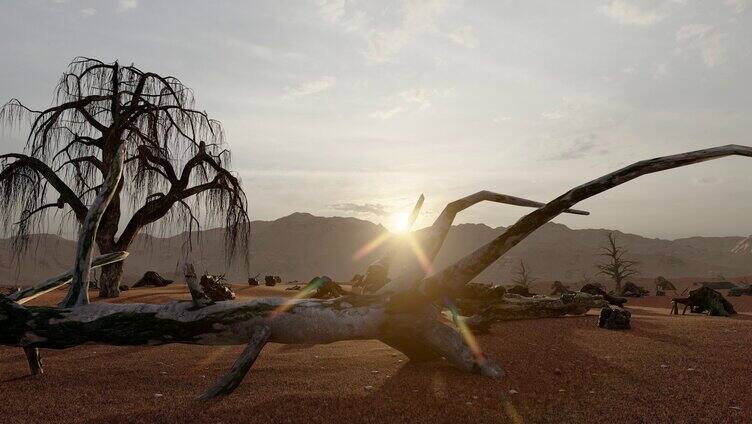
x,y
499,119
628,14
578,148
706,40
89,11
376,209
736,6
464,36
574,129
311,87
386,114
417,96
417,18
661,71
337,12
126,5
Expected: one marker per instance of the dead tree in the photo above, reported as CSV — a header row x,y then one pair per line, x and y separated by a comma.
x,y
403,314
522,275
175,158
615,266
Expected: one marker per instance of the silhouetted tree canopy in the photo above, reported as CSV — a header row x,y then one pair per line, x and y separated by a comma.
x,y
176,163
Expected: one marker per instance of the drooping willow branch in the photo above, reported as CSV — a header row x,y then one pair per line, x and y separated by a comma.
x,y
176,160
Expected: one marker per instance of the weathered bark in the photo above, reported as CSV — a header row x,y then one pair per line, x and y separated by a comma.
x,y
78,294
110,280
404,316
25,295
483,313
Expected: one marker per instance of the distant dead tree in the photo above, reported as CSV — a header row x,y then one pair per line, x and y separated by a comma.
x,y
615,266
522,275
174,160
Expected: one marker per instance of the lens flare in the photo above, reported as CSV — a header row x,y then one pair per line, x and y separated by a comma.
x,y
417,249
371,245
310,288
464,330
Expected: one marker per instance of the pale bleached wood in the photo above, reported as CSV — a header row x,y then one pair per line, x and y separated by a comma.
x,y
29,293
78,292
463,271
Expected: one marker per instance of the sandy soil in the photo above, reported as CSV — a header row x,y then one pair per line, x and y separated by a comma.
x,y
666,369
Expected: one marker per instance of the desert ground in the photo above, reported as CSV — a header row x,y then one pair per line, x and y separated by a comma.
x,y
691,368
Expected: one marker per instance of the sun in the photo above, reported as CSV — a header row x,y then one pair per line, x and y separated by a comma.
x,y
400,223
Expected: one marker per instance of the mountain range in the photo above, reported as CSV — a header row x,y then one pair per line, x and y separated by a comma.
x,y
301,246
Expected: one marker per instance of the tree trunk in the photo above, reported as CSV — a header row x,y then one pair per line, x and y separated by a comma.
x,y
110,280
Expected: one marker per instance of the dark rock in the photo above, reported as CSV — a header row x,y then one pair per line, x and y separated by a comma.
x,y
152,278
376,277
662,285
324,288
124,287
272,280
295,287
596,290
633,290
215,289
614,318
252,281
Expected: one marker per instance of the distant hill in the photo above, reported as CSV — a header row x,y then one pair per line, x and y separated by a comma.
x,y
300,246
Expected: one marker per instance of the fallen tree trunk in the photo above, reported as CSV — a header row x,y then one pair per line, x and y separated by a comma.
x,y
482,313
402,314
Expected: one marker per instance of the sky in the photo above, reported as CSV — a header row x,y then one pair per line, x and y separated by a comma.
x,y
355,108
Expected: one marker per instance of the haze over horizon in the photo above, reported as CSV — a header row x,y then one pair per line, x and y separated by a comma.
x,y
352,108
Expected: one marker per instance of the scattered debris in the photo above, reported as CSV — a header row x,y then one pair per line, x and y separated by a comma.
x,y
376,277
215,289
253,281
598,291
662,285
614,318
324,288
295,287
152,278
272,280
631,289
703,300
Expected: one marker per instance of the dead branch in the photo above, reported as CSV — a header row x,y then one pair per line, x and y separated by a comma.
x,y
405,317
